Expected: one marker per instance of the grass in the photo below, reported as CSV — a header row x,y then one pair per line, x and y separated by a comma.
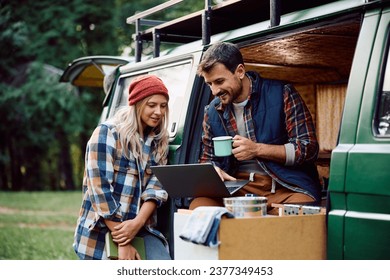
x,y
38,225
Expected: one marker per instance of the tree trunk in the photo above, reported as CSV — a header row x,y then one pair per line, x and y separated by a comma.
x,y
16,173
3,179
65,162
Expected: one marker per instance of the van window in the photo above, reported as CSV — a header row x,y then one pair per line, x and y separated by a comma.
x,y
175,78
382,122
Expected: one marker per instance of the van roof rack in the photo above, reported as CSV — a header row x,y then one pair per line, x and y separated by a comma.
x,y
225,16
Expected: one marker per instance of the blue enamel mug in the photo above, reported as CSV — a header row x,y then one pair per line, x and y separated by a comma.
x,y
222,146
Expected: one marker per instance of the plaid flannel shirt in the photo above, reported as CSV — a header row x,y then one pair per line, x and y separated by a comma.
x,y
113,188
300,128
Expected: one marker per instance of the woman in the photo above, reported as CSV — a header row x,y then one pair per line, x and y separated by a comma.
x,y
121,194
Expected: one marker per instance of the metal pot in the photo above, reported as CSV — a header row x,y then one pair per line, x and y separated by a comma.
x,y
246,206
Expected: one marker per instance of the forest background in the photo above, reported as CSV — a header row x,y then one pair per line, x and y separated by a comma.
x,y
45,124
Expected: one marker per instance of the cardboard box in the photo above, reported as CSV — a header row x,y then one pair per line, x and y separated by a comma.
x,y
273,238
301,237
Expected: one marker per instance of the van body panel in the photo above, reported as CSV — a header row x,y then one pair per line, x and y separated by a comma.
x,y
367,203
366,236
365,160
357,81
338,167
365,132
335,238
366,221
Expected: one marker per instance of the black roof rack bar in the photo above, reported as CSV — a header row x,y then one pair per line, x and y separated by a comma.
x,y
156,42
206,21
138,41
184,30
138,20
275,8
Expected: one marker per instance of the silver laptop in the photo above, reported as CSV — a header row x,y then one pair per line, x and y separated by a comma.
x,y
195,180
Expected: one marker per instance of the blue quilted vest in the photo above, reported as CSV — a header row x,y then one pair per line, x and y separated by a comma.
x,y
268,119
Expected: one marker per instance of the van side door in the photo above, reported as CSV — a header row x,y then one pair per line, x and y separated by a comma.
x,y
359,186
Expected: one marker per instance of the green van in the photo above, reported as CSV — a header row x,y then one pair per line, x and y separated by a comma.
x,y
336,53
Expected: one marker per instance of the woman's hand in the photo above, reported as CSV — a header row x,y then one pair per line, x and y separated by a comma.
x,y
128,252
125,232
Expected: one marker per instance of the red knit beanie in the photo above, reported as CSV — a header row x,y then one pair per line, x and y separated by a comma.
x,y
144,86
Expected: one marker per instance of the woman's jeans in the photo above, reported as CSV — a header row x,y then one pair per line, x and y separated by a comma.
x,y
154,247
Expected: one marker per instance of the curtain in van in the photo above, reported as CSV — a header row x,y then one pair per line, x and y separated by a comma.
x,y
330,103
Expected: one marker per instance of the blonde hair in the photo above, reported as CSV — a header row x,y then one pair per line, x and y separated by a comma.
x,y
129,126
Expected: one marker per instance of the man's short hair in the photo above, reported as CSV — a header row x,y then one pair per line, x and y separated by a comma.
x,y
225,53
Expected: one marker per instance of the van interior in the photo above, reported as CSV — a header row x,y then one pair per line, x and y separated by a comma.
x,y
317,61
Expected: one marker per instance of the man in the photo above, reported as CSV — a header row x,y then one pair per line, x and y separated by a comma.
x,y
274,141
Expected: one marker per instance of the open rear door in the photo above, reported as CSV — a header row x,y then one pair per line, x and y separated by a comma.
x,y
89,71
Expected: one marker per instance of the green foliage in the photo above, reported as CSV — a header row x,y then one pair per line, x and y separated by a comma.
x,y
56,32
45,124
13,37
42,108
38,116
